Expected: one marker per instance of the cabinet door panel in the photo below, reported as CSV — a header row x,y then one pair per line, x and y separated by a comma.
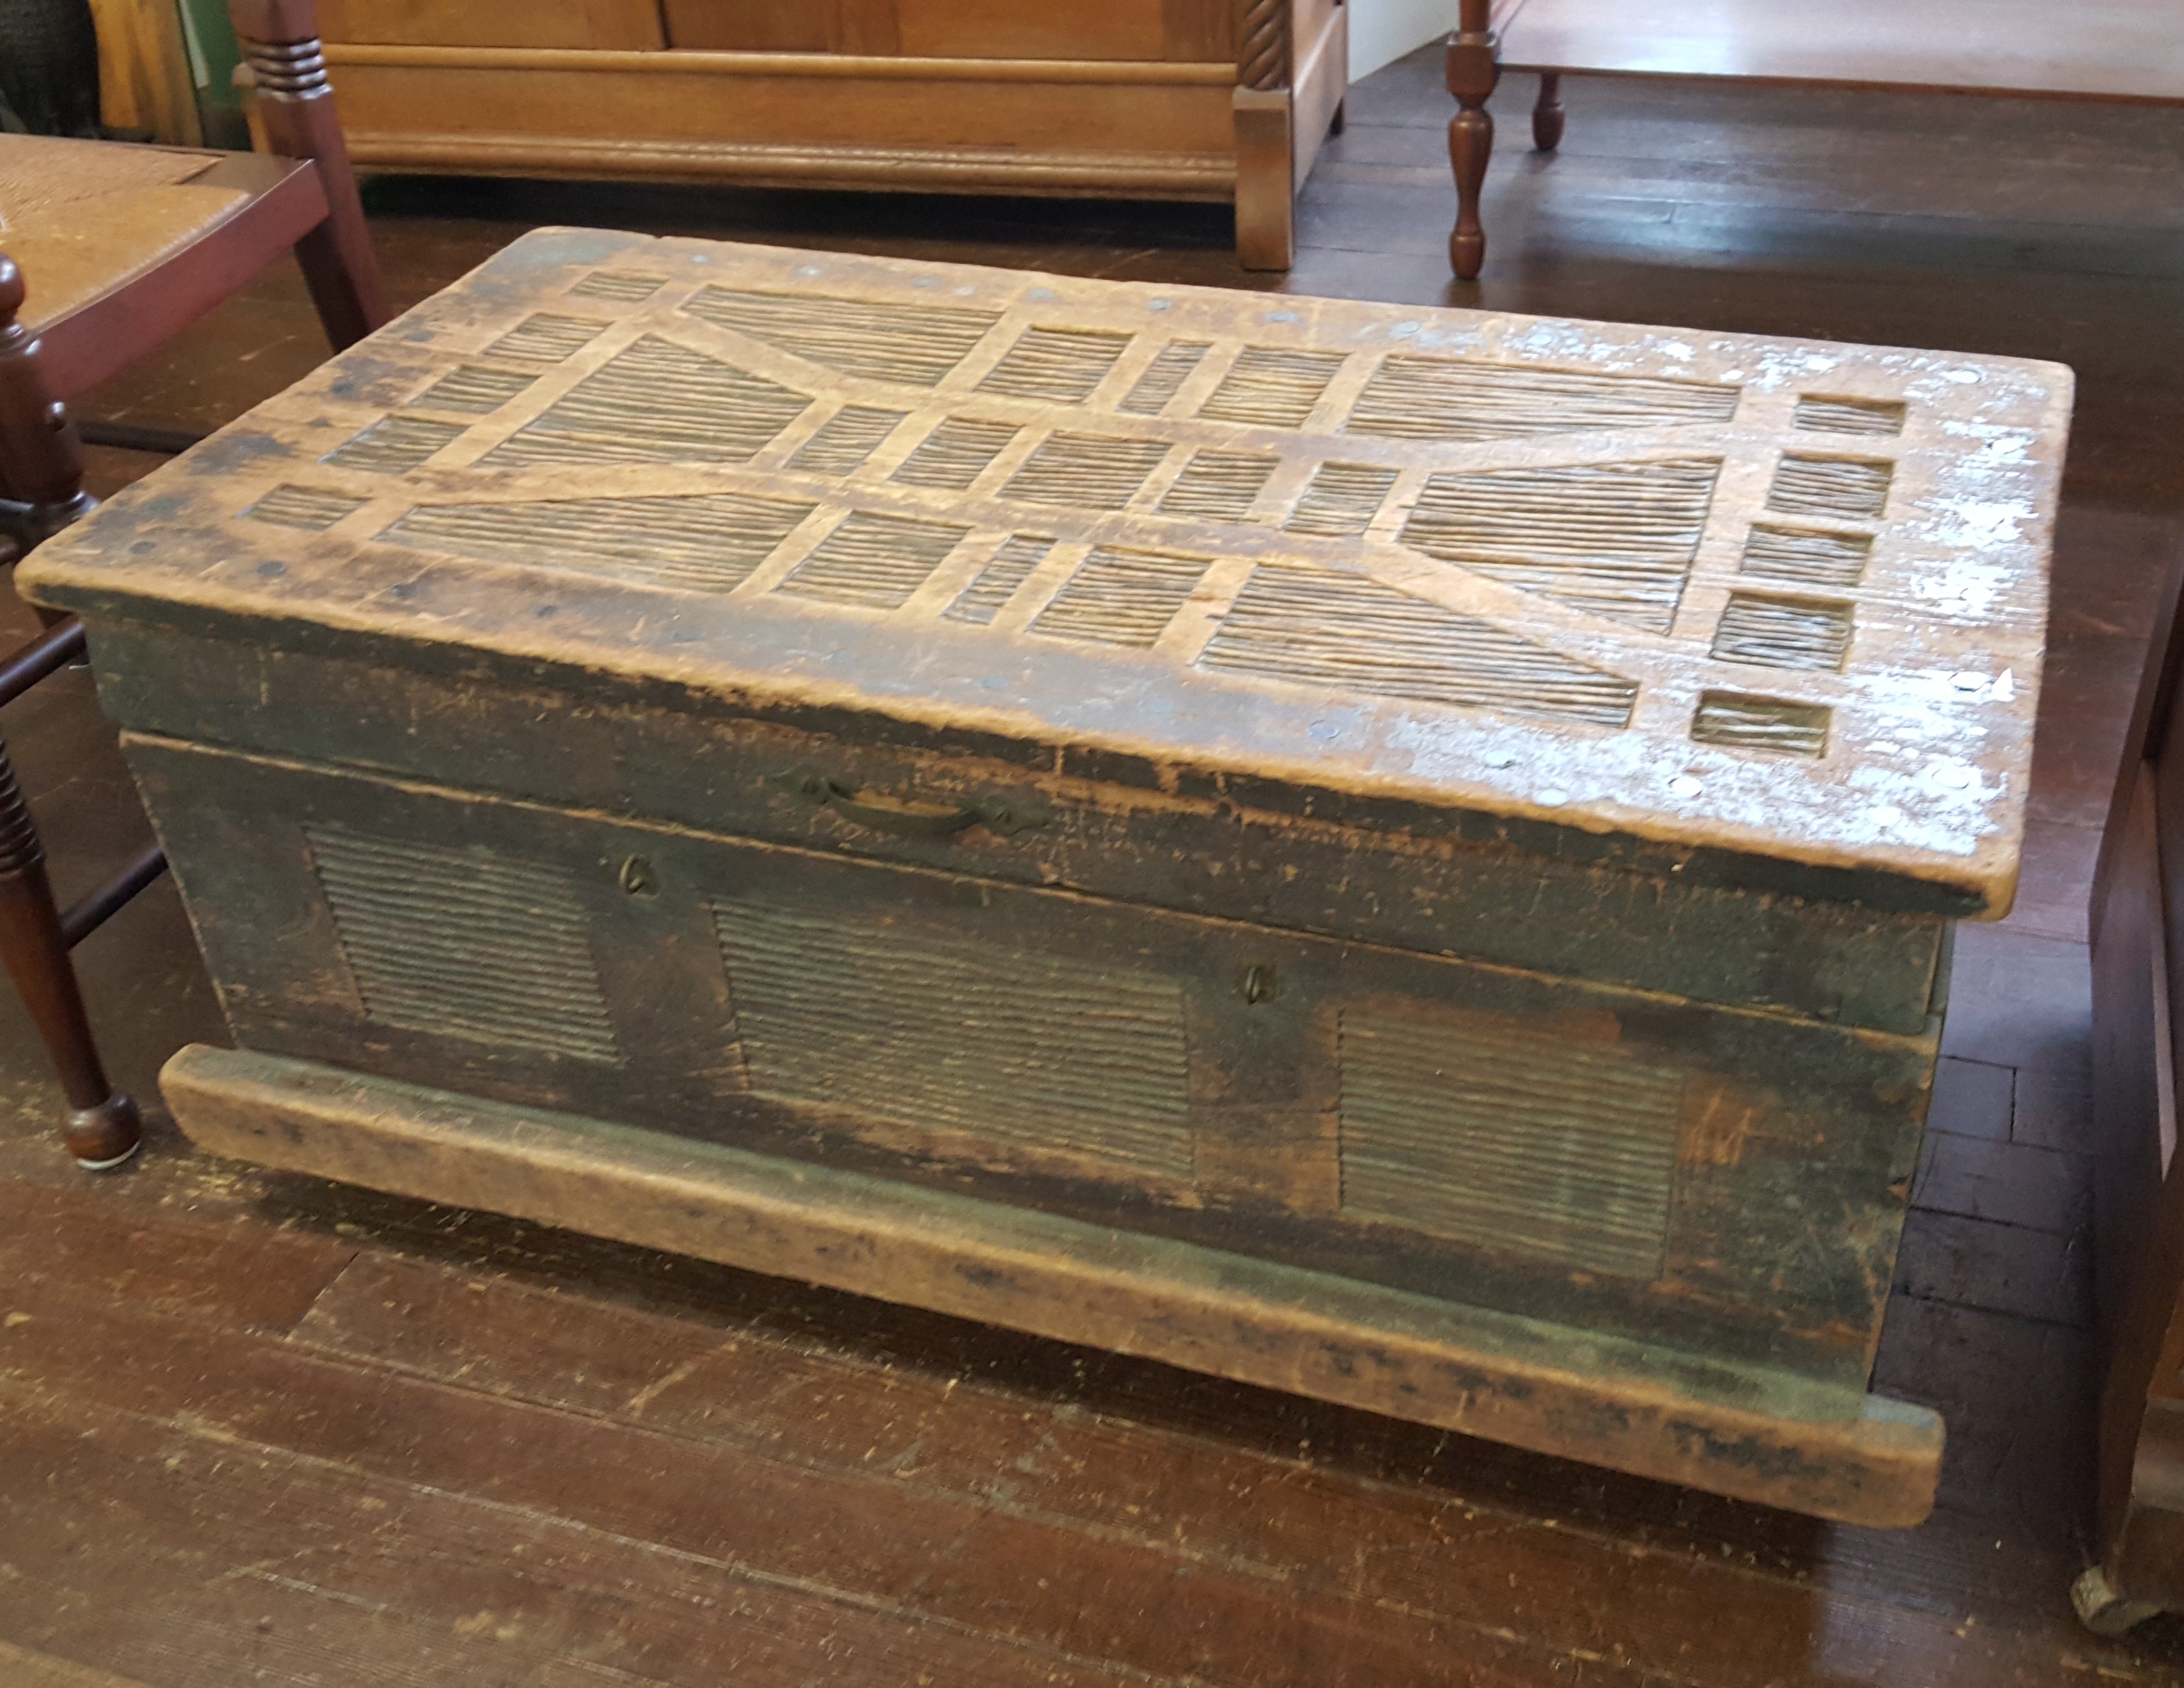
x,y
599,24
1028,29
1201,31
753,26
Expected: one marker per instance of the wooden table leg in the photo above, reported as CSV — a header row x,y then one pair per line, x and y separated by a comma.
x,y
103,1129
1548,112
1473,68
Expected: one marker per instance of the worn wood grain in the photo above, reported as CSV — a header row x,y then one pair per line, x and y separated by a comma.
x,y
1841,1455
857,1538
1480,518
43,1670
260,1556
235,1274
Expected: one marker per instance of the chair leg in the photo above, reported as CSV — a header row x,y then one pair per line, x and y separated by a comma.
x,y
103,1129
1474,67
1547,113
40,457
295,104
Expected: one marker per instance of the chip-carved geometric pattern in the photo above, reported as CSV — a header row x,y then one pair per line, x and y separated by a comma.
x,y
1061,365
1271,387
875,561
1221,485
311,508
1120,596
626,285
1312,628
1783,633
1806,556
657,402
1087,471
1009,567
1437,546
1342,499
547,338
955,453
473,390
1849,415
394,445
1512,1139
465,943
1155,389
1845,489
1615,540
915,345
707,543
1749,723
1442,399
847,439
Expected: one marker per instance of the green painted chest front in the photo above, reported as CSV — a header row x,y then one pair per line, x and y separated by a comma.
x,y
1401,854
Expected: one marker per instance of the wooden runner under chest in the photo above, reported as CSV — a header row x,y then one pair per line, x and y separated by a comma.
x,y
1401,854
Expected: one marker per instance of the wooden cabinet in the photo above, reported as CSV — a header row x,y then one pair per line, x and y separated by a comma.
x,y
1223,100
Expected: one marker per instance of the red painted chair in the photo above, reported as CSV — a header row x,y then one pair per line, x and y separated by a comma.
x,y
108,250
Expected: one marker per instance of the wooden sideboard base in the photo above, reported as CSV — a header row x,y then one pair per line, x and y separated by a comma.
x,y
1783,1442
1209,177
1155,129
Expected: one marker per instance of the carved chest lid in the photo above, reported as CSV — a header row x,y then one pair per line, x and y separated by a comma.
x,y
1775,599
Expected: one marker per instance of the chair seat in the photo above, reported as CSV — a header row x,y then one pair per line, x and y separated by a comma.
x,y
39,174
93,248
85,218
116,242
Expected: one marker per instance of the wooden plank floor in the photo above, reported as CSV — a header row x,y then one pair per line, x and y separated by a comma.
x,y
259,1430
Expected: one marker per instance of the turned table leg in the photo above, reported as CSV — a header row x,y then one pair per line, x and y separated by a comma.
x,y
1547,113
1473,69
102,1129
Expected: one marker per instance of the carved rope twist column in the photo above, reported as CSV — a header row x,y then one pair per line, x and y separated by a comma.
x,y
1262,56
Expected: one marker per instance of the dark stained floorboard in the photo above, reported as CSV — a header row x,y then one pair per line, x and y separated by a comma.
x,y
259,1429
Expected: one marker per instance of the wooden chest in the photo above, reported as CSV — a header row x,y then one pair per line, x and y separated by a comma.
x,y
1401,854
